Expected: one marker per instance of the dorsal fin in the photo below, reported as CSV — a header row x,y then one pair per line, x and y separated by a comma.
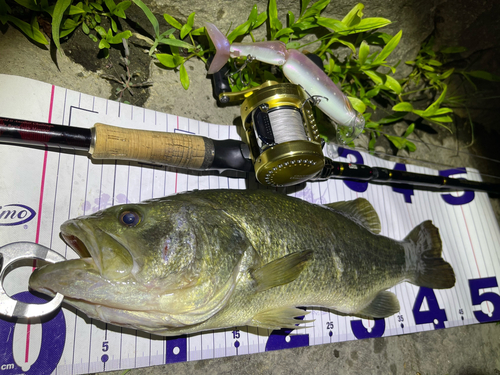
x,y
360,211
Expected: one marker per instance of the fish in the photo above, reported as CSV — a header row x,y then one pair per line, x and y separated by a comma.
x,y
213,259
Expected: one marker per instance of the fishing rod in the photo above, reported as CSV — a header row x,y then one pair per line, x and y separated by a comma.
x,y
287,165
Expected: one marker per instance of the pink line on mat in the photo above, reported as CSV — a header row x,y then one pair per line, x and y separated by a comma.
x,y
40,202
44,168
176,168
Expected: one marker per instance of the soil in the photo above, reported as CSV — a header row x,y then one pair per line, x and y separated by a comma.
x,y
82,50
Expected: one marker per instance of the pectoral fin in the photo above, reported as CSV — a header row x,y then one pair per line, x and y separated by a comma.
x,y
279,318
281,271
383,305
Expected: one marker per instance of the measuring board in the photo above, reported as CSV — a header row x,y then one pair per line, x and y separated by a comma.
x,y
41,189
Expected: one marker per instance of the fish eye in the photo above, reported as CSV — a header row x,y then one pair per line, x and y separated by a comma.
x,y
130,218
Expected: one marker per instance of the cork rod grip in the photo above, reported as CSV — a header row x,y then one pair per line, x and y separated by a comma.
x,y
172,149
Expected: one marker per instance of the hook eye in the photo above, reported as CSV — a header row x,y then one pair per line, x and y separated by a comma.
x,y
12,253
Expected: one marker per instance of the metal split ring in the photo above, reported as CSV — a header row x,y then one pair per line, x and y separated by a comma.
x,y
11,253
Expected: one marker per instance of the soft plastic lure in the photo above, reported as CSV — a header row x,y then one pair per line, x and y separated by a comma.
x,y
298,68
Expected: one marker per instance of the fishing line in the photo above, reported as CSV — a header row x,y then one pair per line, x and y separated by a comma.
x,y
287,125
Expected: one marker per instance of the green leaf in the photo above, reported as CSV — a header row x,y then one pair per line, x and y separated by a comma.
x,y
97,6
286,31
453,50
114,26
118,37
240,30
447,73
394,117
318,6
354,16
69,24
293,45
124,5
171,20
331,23
85,28
184,77
4,12
260,20
75,10
30,31
150,15
371,144
442,111
103,44
409,130
110,4
401,143
168,60
291,18
368,24
167,33
59,9
393,84
303,5
373,92
67,32
434,62
175,43
186,29
101,31
30,4
93,38
378,38
364,50
484,75
439,118
386,51
253,14
306,24
403,107
274,22
434,106
199,31
357,104
346,43
375,77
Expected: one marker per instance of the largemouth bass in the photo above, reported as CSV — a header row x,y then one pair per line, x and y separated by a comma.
x,y
213,259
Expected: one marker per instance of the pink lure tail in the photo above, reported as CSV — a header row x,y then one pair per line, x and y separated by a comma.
x,y
221,47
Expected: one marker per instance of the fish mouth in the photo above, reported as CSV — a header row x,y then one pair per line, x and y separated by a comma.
x,y
104,265
76,244
105,252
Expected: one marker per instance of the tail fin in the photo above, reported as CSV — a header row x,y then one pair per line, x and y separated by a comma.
x,y
222,48
424,257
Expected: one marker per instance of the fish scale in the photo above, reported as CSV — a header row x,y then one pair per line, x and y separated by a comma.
x,y
221,258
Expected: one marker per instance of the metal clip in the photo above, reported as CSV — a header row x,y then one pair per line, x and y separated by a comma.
x,y
11,253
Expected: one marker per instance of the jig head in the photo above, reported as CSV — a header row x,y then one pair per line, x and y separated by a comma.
x,y
299,70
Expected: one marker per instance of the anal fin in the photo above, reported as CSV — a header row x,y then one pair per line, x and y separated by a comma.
x,y
279,318
383,305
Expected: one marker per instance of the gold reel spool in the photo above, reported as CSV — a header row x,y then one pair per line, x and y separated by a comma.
x,y
281,131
